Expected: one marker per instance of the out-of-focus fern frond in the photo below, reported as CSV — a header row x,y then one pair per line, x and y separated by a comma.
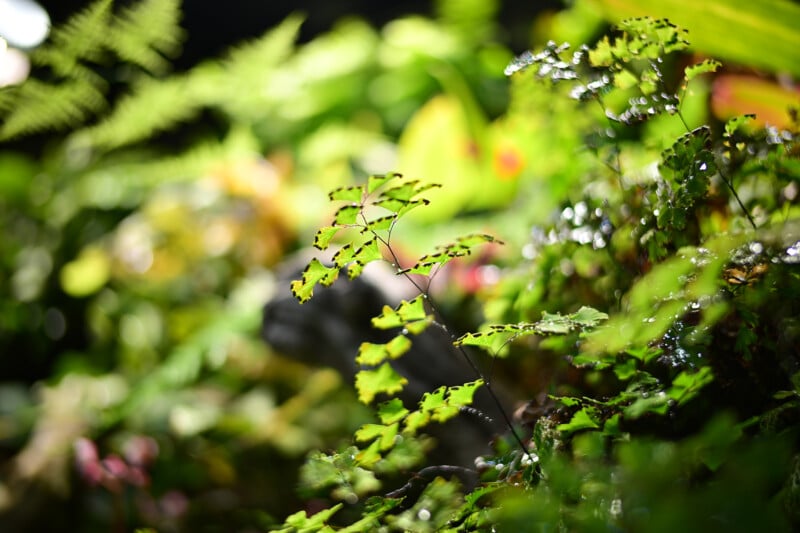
x,y
81,38
146,31
155,106
141,34
253,64
38,106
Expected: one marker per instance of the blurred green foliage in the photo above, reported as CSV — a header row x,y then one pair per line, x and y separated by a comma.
x,y
144,210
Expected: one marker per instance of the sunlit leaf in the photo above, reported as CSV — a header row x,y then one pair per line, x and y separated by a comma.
x,y
314,273
416,420
705,66
384,433
733,124
346,215
403,192
301,522
371,354
375,181
463,246
365,254
368,432
406,312
323,237
347,194
433,400
462,395
381,223
344,255
369,456
383,379
398,346
392,411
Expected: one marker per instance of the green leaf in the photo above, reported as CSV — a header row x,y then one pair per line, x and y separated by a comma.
x,y
462,395
554,324
398,346
369,432
416,420
445,413
408,206
344,255
323,237
588,317
495,334
433,400
384,433
580,420
644,354
375,181
705,66
655,403
366,253
418,326
314,273
381,223
403,192
463,246
392,411
733,125
639,38
346,215
370,354
687,384
405,313
301,522
367,458
384,379
347,194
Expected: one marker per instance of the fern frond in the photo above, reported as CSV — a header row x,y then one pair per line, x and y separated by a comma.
x,y
81,38
37,106
253,64
145,32
155,105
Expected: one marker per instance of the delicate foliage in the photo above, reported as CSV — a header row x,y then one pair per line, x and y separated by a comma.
x,y
140,34
550,324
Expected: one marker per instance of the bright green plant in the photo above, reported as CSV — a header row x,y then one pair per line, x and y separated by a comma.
x,y
687,376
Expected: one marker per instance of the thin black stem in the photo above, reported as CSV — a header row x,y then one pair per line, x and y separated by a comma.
x,y
474,367
728,183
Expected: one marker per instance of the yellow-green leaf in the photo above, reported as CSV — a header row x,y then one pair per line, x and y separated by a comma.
x,y
384,379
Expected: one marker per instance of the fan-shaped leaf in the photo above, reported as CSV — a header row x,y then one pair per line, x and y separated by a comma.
x,y
314,273
347,194
384,379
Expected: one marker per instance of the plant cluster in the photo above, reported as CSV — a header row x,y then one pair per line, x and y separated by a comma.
x,y
641,305
681,409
